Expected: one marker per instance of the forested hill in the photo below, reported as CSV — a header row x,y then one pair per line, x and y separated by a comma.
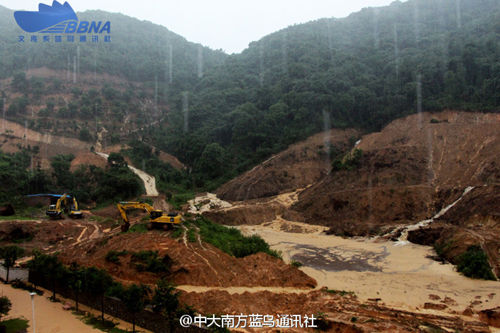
x,y
139,51
364,71
227,113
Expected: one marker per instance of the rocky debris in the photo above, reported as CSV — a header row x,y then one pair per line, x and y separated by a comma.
x,y
468,312
434,297
7,210
449,301
206,202
434,306
491,316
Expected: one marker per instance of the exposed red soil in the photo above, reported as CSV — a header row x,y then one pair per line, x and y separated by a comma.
x,y
193,264
475,220
403,168
300,165
409,171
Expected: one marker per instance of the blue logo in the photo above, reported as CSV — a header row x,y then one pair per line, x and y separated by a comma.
x,y
57,19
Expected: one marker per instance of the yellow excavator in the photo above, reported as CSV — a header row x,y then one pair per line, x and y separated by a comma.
x,y
156,216
56,211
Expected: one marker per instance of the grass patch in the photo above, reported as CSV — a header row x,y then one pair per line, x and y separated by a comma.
x,y
339,292
177,233
15,325
103,204
232,241
17,217
296,263
474,264
150,261
441,248
180,199
114,256
18,284
191,236
142,228
106,326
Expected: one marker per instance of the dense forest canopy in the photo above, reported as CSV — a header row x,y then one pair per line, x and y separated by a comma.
x,y
227,113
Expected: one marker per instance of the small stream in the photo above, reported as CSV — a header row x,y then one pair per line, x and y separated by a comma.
x,y
403,239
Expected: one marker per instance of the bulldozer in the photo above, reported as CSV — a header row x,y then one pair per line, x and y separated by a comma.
x,y
156,216
56,211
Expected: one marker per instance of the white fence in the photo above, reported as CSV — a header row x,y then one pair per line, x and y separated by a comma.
x,y
14,273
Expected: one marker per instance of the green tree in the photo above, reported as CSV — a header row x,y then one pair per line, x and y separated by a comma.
x,y
53,270
36,265
85,135
213,161
134,298
5,306
116,160
98,283
20,83
10,254
166,301
75,280
61,165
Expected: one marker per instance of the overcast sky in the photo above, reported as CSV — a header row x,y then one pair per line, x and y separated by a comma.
x,y
218,24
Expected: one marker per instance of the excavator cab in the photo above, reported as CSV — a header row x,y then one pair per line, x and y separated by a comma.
x,y
155,214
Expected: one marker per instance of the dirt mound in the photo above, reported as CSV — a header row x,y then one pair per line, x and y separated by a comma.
x,y
197,264
297,167
88,158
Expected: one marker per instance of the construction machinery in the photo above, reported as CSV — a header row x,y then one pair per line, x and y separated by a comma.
x,y
56,211
73,210
156,216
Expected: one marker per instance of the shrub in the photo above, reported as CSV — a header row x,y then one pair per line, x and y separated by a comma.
x,y
191,236
232,241
151,262
474,264
296,263
113,256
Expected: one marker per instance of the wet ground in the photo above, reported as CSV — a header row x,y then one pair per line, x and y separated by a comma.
x,y
338,258
402,275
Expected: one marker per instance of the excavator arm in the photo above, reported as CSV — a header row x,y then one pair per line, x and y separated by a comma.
x,y
74,212
124,206
56,212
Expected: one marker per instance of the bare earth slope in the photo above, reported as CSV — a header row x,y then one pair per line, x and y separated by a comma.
x,y
300,165
409,171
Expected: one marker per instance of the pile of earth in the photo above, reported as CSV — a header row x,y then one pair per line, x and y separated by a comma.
x,y
191,263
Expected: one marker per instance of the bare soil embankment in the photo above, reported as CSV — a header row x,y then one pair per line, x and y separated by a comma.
x,y
298,166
